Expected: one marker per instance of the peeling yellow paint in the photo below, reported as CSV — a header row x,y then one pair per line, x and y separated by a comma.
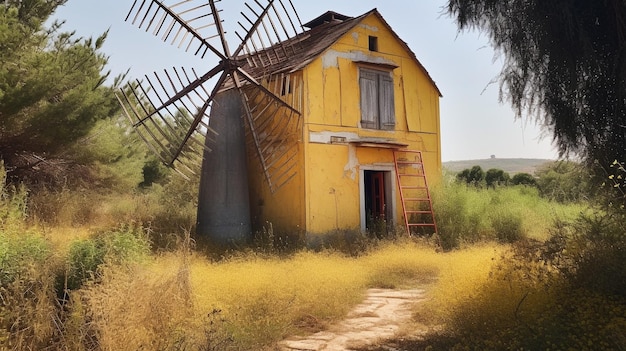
x,y
350,169
331,58
355,36
327,192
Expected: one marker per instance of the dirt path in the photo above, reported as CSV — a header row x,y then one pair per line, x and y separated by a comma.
x,y
378,317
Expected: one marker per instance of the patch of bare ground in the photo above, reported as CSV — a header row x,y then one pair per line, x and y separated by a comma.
x,y
381,316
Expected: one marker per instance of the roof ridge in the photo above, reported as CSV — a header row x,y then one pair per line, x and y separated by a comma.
x,y
317,40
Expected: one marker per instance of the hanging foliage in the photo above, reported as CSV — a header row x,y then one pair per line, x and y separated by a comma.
x,y
564,63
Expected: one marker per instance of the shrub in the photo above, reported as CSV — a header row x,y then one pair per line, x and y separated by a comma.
x,y
13,202
27,307
19,253
84,258
600,268
153,172
523,179
462,214
466,214
565,293
65,207
451,213
508,226
593,253
27,273
612,194
496,177
169,210
474,176
516,311
124,245
563,181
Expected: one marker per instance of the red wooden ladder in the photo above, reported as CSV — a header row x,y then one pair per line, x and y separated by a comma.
x,y
417,204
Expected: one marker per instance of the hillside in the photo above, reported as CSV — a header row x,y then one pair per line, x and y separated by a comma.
x,y
510,165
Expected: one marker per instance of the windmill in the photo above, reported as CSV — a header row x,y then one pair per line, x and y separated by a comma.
x,y
243,103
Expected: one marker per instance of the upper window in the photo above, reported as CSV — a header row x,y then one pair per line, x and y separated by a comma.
x,y
373,43
377,99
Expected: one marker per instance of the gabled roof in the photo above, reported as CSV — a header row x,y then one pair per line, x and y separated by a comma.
x,y
329,16
324,31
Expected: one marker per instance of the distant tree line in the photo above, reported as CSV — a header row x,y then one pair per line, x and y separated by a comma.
x,y
493,177
563,181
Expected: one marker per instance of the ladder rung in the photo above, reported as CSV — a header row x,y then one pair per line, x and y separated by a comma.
x,y
413,176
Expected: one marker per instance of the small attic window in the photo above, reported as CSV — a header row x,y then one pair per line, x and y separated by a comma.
x,y
373,43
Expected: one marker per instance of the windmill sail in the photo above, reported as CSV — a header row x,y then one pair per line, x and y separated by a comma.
x,y
171,110
275,129
189,24
267,40
168,111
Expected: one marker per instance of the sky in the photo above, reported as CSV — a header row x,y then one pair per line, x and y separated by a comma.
x,y
474,124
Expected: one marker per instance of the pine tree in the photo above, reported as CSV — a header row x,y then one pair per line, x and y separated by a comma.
x,y
52,89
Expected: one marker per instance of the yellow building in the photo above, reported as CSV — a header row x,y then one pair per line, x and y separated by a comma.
x,y
362,93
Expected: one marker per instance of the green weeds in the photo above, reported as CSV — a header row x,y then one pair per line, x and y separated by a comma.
x,y
530,275
122,246
467,215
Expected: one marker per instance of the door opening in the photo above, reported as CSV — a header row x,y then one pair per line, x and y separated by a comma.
x,y
377,198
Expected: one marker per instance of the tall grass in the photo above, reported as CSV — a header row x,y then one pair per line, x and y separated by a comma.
x,y
179,300
266,299
116,294
26,274
519,303
467,214
167,210
566,293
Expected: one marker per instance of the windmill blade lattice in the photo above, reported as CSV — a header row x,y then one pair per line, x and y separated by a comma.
x,y
171,110
268,40
161,109
189,24
274,128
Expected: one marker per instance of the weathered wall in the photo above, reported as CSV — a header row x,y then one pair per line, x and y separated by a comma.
x,y
326,193
333,110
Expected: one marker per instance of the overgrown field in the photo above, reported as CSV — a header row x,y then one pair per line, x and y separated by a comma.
x,y
77,274
108,293
467,214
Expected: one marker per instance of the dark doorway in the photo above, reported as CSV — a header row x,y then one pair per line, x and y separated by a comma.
x,y
376,199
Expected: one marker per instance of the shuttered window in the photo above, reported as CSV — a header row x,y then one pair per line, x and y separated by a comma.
x,y
377,99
